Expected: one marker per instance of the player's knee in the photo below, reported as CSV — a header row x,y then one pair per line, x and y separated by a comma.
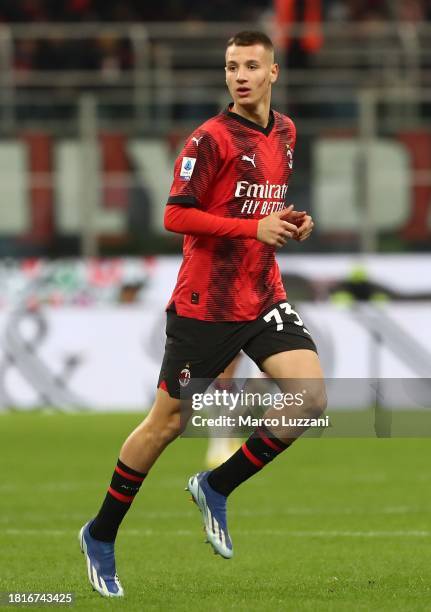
x,y
316,403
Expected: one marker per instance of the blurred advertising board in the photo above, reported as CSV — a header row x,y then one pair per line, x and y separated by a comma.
x,y
89,335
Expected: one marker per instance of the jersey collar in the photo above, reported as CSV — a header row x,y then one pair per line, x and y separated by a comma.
x,y
251,124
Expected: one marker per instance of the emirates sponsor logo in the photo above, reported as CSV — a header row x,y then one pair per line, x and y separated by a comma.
x,y
260,190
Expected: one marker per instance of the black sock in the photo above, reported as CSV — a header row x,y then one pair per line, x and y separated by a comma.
x,y
254,454
125,484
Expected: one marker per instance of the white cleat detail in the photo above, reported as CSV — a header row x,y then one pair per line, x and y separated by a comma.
x,y
215,534
94,581
104,587
90,577
222,538
97,582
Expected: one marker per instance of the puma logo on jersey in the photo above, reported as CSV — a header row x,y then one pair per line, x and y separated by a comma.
x,y
197,140
249,159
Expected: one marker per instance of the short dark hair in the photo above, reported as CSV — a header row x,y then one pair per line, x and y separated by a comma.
x,y
248,38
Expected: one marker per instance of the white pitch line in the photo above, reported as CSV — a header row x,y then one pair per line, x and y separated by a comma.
x,y
270,532
342,534
150,515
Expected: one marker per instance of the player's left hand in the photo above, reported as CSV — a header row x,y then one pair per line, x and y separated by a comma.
x,y
303,222
305,228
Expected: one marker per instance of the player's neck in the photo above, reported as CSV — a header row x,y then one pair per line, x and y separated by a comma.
x,y
258,114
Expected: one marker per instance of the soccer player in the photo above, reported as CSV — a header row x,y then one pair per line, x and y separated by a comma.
x,y
228,199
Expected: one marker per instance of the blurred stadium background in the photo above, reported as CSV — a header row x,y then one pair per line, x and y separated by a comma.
x,y
96,99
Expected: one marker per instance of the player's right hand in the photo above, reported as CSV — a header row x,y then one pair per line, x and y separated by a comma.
x,y
274,230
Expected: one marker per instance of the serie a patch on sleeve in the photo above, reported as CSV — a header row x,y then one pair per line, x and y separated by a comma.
x,y
187,166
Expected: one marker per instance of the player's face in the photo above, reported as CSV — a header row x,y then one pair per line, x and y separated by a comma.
x,y
250,72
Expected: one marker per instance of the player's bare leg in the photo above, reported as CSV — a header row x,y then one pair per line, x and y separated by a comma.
x,y
294,371
297,371
162,425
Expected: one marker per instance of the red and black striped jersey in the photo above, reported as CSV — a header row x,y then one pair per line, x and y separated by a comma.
x,y
231,167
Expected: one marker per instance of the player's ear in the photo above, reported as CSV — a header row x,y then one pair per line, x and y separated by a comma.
x,y
275,70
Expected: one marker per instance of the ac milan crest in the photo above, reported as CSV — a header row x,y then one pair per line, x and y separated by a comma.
x,y
185,376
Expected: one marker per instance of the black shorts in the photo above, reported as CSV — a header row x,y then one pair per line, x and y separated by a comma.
x,y
202,349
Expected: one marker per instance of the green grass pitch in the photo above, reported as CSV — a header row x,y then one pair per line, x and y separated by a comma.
x,y
333,524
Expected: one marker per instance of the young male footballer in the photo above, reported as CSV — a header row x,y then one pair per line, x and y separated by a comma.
x,y
228,199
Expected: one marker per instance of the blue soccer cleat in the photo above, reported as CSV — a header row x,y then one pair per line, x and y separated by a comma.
x,y
100,564
213,508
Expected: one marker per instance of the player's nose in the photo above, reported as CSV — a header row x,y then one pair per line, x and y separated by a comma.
x,y
241,76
